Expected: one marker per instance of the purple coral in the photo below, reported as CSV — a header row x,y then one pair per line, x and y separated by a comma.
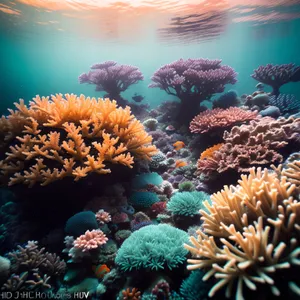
x,y
193,81
277,75
112,78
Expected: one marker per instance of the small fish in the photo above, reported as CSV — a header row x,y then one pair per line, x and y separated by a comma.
x,y
179,145
137,98
100,270
180,163
170,128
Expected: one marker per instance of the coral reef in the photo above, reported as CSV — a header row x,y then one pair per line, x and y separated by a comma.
x,y
112,78
71,136
32,268
193,81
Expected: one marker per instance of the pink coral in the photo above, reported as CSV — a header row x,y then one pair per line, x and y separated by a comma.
x,y
103,217
90,240
220,118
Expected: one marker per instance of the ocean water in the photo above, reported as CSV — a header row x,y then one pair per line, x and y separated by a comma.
x,y
45,47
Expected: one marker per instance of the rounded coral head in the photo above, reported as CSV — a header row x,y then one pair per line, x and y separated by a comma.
x,y
103,217
90,240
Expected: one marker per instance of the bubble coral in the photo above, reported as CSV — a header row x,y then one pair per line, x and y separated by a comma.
x,y
90,240
71,136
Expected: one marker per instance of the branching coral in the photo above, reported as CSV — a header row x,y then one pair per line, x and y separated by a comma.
x,y
267,131
220,118
193,81
251,236
255,144
276,75
112,78
90,240
71,136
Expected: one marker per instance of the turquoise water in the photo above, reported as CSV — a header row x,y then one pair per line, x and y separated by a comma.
x,y
120,196
48,58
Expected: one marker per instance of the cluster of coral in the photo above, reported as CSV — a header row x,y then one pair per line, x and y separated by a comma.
x,y
179,202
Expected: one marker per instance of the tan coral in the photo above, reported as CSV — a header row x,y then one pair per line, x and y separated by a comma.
x,y
251,231
71,136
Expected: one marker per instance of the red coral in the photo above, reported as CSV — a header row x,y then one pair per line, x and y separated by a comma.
x,y
220,118
120,218
158,208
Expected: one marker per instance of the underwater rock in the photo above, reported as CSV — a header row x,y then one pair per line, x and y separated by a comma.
x,y
271,111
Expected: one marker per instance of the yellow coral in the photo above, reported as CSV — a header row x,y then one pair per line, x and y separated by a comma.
x,y
251,231
69,136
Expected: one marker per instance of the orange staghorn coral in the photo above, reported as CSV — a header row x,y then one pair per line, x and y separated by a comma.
x,y
131,294
220,119
251,236
69,136
208,153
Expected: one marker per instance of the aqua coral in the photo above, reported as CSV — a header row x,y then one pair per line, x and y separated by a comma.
x,y
186,203
153,247
72,136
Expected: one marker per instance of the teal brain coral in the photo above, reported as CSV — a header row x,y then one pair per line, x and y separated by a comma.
x,y
187,203
154,247
143,199
141,181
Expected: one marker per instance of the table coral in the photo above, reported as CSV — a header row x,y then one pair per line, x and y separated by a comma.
x,y
276,75
220,118
112,78
71,136
251,236
193,81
